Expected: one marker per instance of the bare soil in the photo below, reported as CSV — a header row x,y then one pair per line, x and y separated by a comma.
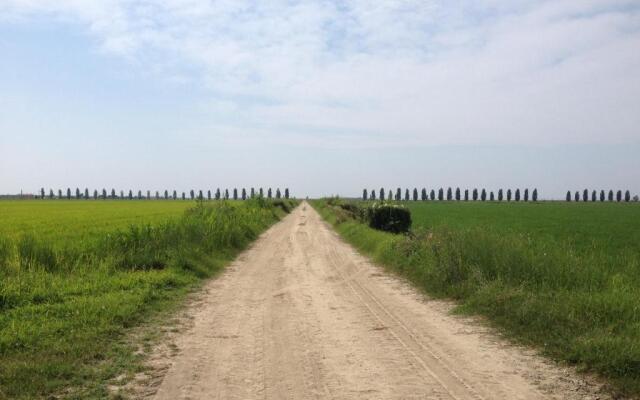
x,y
302,315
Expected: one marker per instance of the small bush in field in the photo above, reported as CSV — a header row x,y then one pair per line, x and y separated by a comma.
x,y
352,209
389,217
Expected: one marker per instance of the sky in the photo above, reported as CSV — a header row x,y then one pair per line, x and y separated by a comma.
x,y
323,97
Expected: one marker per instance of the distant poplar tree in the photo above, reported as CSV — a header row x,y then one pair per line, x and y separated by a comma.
x,y
373,195
534,195
508,194
253,193
166,194
610,195
184,196
113,193
585,195
86,193
148,195
130,194
244,194
269,193
576,197
209,194
423,194
466,195
491,197
619,195
526,195
568,195
365,194
627,196
157,195
68,193
602,195
235,193
398,194
139,194
261,193
122,194
59,193
278,194
200,195
594,196
286,193
382,194
449,194
500,196
457,194
42,193
406,195
483,195
192,194
217,196
475,194
51,195
517,194
440,194
78,195
432,195
175,194
415,194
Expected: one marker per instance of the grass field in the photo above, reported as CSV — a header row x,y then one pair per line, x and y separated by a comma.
x,y
63,220
609,227
562,277
76,275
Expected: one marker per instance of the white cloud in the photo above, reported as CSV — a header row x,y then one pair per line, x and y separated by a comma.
x,y
396,72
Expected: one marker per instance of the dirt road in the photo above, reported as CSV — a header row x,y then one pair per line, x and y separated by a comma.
x,y
301,315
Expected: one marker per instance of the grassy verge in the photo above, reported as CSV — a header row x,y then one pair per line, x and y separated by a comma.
x,y
576,303
65,308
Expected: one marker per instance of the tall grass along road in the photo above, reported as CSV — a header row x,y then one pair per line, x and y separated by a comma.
x,y
301,315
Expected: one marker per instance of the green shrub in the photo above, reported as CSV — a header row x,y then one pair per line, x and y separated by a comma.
x,y
389,217
352,209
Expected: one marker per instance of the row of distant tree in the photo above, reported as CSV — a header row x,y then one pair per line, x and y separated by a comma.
x,y
482,195
450,194
217,195
594,196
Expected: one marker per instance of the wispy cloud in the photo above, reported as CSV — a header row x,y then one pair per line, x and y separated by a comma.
x,y
385,73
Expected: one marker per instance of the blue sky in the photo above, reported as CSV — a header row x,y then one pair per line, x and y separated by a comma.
x,y
322,97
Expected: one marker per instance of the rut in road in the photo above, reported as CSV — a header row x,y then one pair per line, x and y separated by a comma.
x,y
301,315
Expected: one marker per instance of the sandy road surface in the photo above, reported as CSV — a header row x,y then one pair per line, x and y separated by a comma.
x,y
301,315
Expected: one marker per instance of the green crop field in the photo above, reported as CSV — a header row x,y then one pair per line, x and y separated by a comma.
x,y
76,275
562,277
610,227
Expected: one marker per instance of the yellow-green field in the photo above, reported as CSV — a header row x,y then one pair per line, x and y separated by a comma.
x,y
75,276
63,220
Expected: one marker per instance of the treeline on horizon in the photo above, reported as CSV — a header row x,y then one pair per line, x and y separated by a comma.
x,y
193,194
483,196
